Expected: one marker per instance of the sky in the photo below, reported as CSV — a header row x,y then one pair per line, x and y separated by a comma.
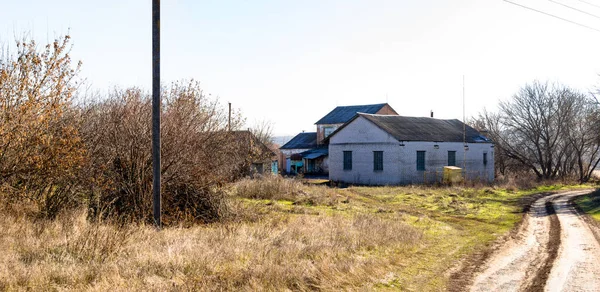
x,y
291,62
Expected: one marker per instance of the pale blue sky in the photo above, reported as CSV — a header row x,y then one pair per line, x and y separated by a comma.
x,y
291,62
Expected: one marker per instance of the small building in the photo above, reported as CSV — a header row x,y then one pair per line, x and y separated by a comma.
x,y
291,151
374,149
308,152
252,156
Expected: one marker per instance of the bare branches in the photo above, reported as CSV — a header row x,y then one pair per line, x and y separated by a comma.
x,y
547,128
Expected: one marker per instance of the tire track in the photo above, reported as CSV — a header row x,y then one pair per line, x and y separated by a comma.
x,y
555,250
517,262
538,283
577,267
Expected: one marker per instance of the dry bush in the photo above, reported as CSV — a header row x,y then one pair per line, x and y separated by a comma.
x,y
269,188
278,188
40,148
299,252
198,155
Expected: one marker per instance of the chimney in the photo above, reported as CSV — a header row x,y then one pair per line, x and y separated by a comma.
x,y
431,113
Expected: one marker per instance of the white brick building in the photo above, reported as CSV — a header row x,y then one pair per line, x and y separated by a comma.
x,y
390,150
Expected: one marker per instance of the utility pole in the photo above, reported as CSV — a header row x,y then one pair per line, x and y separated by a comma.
x,y
156,112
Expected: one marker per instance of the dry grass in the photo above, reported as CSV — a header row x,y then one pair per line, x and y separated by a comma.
x,y
286,236
300,252
293,190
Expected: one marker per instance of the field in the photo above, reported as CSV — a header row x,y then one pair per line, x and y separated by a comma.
x,y
283,234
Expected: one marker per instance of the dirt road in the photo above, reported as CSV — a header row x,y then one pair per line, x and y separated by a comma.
x,y
554,250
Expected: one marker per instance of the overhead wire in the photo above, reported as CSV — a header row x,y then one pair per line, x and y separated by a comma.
x,y
575,9
552,15
588,3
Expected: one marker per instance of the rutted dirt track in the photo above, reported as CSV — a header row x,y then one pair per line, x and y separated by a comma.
x,y
554,250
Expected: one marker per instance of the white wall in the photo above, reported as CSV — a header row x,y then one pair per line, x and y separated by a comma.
x,y
471,161
400,162
362,138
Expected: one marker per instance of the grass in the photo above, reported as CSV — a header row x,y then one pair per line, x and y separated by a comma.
x,y
286,236
590,204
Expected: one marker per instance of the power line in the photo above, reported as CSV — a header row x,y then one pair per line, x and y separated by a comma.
x,y
576,9
552,15
588,3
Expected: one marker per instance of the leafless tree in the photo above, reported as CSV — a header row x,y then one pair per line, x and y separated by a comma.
x,y
548,129
263,131
40,147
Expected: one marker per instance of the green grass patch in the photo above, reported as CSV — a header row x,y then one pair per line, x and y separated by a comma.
x,y
590,204
455,222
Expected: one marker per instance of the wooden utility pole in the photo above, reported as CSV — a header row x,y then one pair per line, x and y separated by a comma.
x,y
156,112
229,121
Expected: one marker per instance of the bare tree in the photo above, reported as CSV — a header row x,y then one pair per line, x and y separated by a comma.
x,y
548,129
40,147
263,131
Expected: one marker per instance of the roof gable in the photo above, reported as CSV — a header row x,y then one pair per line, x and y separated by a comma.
x,y
343,114
302,141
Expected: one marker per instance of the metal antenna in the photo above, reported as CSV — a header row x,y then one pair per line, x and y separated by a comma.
x,y
156,112
464,130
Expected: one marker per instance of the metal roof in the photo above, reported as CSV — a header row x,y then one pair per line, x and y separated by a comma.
x,y
302,141
342,114
425,129
315,153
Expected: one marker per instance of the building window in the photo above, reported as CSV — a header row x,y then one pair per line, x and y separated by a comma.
x,y
328,130
347,160
484,158
378,160
451,158
420,160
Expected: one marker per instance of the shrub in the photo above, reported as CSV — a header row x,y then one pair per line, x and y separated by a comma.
x,y
40,146
198,155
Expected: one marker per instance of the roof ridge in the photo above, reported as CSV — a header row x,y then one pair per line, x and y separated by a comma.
x,y
400,116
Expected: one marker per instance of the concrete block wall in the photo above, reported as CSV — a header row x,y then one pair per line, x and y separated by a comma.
x,y
400,157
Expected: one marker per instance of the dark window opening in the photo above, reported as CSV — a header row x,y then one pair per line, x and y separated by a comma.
x,y
377,160
420,160
484,158
347,160
451,158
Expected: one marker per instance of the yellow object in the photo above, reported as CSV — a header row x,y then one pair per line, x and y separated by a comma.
x,y
452,174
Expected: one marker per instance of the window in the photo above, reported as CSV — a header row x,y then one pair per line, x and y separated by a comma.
x,y
328,130
377,160
347,160
484,158
451,158
420,160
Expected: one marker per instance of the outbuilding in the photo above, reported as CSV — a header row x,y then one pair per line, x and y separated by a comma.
x,y
373,149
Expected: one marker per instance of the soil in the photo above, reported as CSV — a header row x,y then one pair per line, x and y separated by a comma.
x,y
554,249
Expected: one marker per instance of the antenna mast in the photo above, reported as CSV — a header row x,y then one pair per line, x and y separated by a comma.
x,y
464,131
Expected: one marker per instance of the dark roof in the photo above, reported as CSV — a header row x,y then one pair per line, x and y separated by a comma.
x,y
315,153
425,129
342,114
302,141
